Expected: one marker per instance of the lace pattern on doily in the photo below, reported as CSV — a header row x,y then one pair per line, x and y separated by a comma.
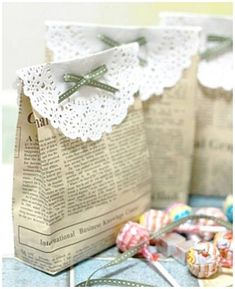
x,y
216,73
89,112
168,51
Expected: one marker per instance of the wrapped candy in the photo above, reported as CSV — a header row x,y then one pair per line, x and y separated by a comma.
x,y
178,211
154,220
216,212
131,235
203,259
224,242
228,208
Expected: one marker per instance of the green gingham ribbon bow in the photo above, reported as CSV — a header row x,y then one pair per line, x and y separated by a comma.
x,y
224,44
133,251
88,79
113,43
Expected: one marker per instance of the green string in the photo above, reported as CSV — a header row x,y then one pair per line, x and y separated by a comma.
x,y
224,44
133,251
87,79
113,43
113,282
213,37
108,41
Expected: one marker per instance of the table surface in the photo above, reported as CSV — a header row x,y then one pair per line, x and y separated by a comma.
x,y
17,274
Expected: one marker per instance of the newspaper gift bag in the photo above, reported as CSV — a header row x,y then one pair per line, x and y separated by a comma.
x,y
168,62
212,164
81,160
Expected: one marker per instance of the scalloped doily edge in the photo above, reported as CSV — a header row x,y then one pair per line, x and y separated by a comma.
x,y
107,131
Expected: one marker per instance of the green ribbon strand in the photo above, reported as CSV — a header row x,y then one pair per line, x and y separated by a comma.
x,y
88,79
218,38
224,44
108,41
113,282
133,251
113,43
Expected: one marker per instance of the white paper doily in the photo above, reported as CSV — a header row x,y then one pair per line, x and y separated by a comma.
x,y
168,50
89,112
216,73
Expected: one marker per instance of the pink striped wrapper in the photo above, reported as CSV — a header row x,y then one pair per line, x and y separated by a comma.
x,y
131,235
216,212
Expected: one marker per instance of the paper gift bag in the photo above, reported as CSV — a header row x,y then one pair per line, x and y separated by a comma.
x,y
212,163
168,62
81,166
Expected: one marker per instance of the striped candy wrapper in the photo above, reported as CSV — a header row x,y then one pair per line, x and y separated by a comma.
x,y
216,212
153,221
203,259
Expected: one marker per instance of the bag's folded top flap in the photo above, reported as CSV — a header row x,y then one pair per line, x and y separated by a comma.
x,y
167,51
217,72
90,111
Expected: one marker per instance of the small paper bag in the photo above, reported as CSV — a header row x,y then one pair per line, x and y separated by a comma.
x,y
168,62
212,162
81,167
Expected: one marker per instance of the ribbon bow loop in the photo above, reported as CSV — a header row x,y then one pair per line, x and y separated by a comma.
x,y
113,43
88,79
224,44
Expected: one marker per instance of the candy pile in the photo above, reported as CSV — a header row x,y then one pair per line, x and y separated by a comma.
x,y
203,245
205,258
131,235
201,230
